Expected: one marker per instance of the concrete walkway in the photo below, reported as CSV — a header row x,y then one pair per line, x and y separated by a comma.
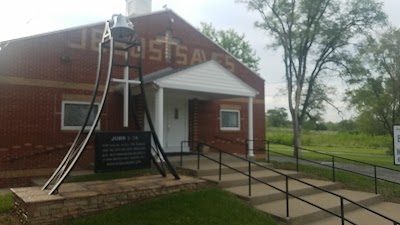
x,y
368,170
266,193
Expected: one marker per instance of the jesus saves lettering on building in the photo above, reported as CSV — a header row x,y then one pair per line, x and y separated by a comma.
x,y
152,49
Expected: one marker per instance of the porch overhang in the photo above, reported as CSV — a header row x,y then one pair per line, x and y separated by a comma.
x,y
205,81
208,80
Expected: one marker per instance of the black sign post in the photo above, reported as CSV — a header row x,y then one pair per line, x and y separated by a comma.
x,y
116,151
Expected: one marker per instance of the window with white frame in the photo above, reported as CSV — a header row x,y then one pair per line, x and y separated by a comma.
x,y
74,114
230,119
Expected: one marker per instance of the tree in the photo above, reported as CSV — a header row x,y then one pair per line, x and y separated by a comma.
x,y
368,124
315,36
234,43
347,126
375,75
314,123
277,117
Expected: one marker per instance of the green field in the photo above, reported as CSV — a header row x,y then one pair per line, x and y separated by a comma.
x,y
345,147
360,147
376,157
356,141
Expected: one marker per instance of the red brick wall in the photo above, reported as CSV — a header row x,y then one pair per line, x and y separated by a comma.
x,y
34,80
233,141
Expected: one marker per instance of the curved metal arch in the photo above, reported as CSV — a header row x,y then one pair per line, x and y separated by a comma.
x,y
95,122
80,141
60,169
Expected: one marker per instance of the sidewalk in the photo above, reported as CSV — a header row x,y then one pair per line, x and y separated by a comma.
x,y
381,173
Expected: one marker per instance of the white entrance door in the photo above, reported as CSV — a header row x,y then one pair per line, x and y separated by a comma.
x,y
176,123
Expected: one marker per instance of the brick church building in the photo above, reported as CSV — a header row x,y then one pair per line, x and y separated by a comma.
x,y
196,92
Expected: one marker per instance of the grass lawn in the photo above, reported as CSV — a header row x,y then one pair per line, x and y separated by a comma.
x,y
6,203
210,206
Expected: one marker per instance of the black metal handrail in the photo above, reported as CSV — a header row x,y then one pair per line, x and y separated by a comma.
x,y
333,162
287,177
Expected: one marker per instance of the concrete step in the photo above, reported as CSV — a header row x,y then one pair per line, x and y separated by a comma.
x,y
208,168
261,193
364,217
304,213
192,159
273,202
239,179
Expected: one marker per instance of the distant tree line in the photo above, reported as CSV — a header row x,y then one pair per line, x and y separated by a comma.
x,y
278,117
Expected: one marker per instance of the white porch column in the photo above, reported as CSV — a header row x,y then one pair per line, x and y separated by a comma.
x,y
159,114
250,132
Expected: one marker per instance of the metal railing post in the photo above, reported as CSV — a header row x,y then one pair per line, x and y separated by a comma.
x,y
342,210
376,181
287,196
333,169
249,178
268,153
220,165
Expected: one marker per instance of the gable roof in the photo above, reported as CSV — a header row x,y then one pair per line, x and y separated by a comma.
x,y
5,43
73,28
208,77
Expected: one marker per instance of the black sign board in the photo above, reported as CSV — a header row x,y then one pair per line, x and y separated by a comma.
x,y
116,151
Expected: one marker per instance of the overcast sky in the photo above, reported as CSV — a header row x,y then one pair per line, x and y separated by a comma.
x,y
27,17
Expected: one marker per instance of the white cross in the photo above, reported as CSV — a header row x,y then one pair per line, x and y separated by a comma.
x,y
168,40
126,81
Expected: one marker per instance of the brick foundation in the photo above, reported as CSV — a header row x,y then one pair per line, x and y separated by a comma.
x,y
34,206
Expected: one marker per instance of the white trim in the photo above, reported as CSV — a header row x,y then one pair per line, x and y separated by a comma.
x,y
64,127
125,81
229,128
207,77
